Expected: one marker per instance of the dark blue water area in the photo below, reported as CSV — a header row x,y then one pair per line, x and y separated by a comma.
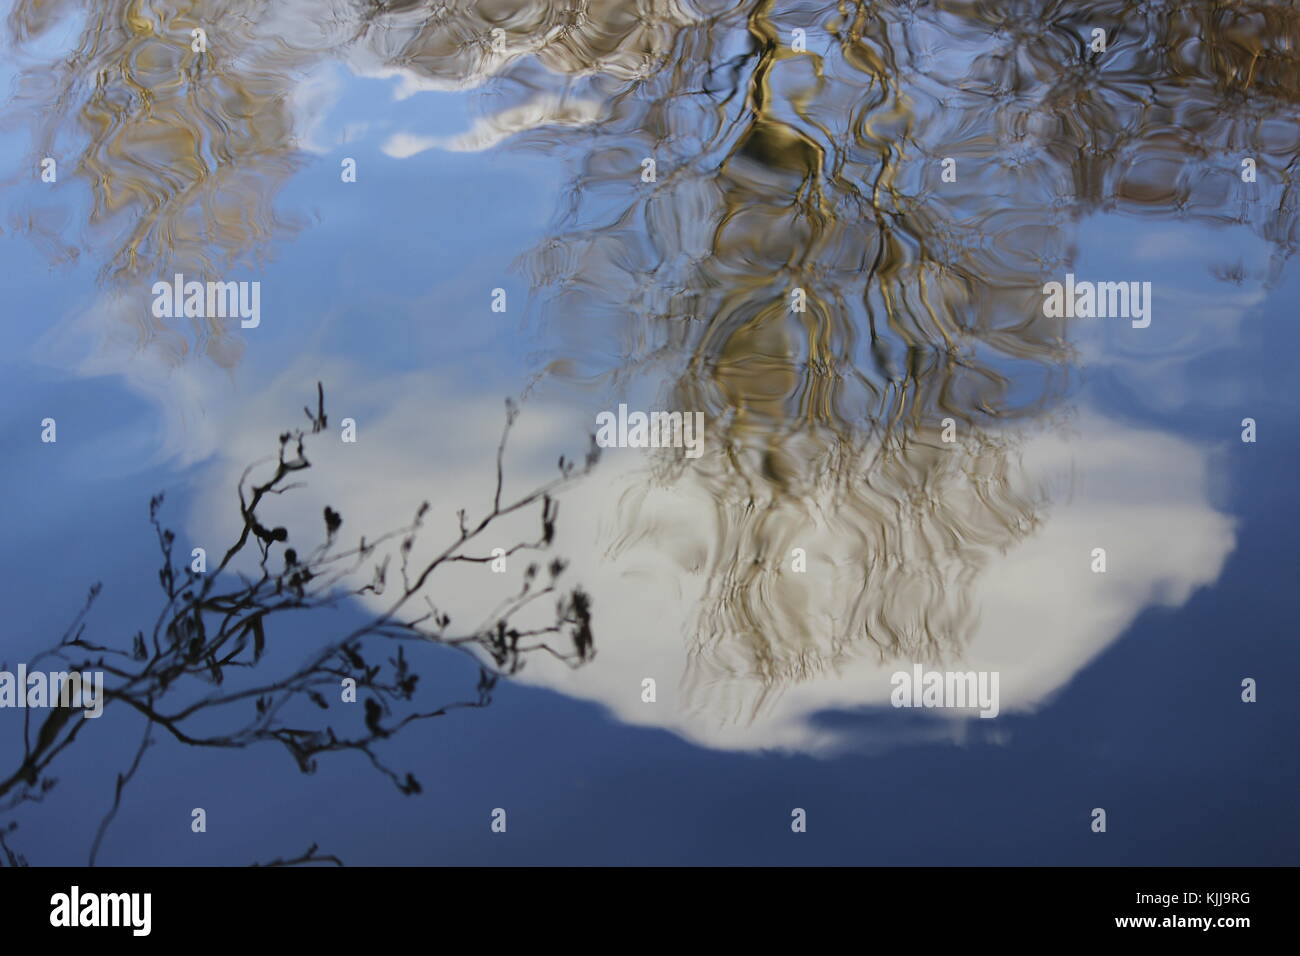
x,y
1153,731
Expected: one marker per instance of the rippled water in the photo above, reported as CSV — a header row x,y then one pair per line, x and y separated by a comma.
x,y
825,226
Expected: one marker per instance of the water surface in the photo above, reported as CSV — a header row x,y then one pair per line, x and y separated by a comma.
x,y
505,146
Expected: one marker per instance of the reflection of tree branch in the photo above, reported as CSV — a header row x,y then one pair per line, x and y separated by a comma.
x,y
311,856
122,780
207,628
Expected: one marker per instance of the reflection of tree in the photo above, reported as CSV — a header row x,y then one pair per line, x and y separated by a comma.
x,y
894,532
202,674
820,172
824,421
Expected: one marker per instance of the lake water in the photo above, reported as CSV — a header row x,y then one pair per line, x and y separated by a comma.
x,y
825,228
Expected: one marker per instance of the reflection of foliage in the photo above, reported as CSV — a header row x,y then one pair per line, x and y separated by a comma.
x,y
183,151
820,171
179,675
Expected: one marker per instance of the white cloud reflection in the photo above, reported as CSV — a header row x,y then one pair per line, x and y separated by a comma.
x,y
1040,613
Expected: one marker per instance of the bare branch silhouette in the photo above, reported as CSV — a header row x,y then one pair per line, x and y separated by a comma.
x,y
311,856
209,627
